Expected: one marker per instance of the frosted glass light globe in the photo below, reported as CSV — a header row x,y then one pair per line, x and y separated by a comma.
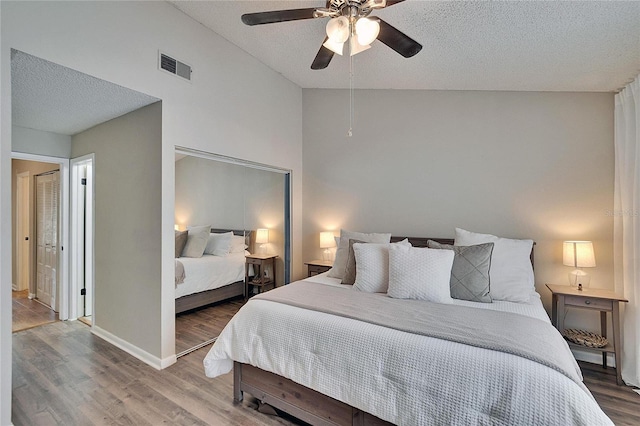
x,y
367,30
338,29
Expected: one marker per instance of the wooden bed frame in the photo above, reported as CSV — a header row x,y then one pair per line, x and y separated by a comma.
x,y
300,401
197,300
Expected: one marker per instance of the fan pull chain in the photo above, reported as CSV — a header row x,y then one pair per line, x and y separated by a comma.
x,y
350,132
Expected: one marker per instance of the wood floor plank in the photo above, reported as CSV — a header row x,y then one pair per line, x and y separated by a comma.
x,y
28,313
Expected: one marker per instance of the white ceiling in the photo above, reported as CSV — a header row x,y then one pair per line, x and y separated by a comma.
x,y
49,97
468,45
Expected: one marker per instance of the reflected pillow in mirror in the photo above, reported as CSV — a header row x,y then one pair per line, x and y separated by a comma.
x,y
219,244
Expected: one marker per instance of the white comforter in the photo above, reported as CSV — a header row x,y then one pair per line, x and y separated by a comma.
x,y
209,272
403,378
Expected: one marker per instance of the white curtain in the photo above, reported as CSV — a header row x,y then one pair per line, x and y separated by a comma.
x,y
627,224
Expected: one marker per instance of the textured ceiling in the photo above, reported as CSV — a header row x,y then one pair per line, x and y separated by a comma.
x,y
50,97
468,45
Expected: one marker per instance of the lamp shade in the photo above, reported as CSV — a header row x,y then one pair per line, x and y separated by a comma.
x,y
262,236
327,240
578,254
367,30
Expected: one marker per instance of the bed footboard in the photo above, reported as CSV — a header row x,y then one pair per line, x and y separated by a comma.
x,y
299,401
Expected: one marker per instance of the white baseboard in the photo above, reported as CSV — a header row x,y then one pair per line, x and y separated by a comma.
x,y
32,296
593,357
133,350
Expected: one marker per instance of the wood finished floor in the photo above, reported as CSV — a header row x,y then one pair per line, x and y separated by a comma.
x,y
29,313
198,326
62,374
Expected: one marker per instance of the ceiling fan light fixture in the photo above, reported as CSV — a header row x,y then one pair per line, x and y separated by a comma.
x,y
333,46
367,31
355,47
338,29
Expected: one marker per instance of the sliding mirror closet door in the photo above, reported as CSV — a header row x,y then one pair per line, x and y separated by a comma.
x,y
230,205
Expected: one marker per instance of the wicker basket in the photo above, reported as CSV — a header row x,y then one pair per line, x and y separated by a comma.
x,y
585,338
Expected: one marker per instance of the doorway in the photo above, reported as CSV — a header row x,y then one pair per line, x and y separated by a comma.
x,y
36,220
82,232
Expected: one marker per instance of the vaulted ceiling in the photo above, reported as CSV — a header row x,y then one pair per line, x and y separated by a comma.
x,y
467,45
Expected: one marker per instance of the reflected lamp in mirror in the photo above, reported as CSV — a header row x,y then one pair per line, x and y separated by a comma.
x,y
262,238
327,241
578,254
176,227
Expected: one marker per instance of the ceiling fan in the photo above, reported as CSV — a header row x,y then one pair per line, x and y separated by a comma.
x,y
350,21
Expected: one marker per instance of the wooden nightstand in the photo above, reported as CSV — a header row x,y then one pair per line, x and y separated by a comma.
x,y
595,299
316,267
262,283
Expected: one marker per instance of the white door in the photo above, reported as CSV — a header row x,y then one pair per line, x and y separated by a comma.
x,y
23,243
47,190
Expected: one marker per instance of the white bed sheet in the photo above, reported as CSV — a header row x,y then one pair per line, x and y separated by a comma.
x,y
400,377
209,272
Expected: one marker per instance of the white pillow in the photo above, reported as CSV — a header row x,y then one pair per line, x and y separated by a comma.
x,y
420,273
342,253
511,272
238,244
372,266
219,244
197,238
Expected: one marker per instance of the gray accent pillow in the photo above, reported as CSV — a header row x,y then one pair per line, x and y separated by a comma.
x,y
196,241
350,269
470,271
181,240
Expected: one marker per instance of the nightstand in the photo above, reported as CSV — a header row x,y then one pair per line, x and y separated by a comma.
x,y
316,267
261,263
594,299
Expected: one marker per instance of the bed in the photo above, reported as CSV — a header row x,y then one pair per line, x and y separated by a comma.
x,y
328,368
210,279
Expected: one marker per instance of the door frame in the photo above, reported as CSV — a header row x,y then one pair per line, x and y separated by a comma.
x,y
23,220
82,261
62,290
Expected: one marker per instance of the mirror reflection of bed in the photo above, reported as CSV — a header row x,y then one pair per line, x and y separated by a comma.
x,y
220,203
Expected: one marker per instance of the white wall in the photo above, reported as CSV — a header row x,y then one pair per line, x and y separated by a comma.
x,y
231,196
235,106
31,141
420,163
127,228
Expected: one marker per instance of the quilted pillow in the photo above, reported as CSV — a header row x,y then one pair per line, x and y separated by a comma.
x,y
181,240
196,241
420,273
219,244
372,266
470,271
511,272
342,252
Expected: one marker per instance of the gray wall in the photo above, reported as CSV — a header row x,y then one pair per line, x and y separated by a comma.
x,y
420,163
230,196
32,141
127,174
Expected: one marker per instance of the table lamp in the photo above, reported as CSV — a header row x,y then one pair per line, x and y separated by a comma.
x,y
262,238
578,254
327,241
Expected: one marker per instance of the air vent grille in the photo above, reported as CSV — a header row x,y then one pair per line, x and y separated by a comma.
x,y
174,66
167,63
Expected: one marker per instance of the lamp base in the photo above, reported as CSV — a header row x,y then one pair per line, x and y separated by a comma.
x,y
326,255
579,279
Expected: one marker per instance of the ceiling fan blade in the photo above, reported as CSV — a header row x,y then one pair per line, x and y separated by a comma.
x,y
397,40
323,58
274,16
392,2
